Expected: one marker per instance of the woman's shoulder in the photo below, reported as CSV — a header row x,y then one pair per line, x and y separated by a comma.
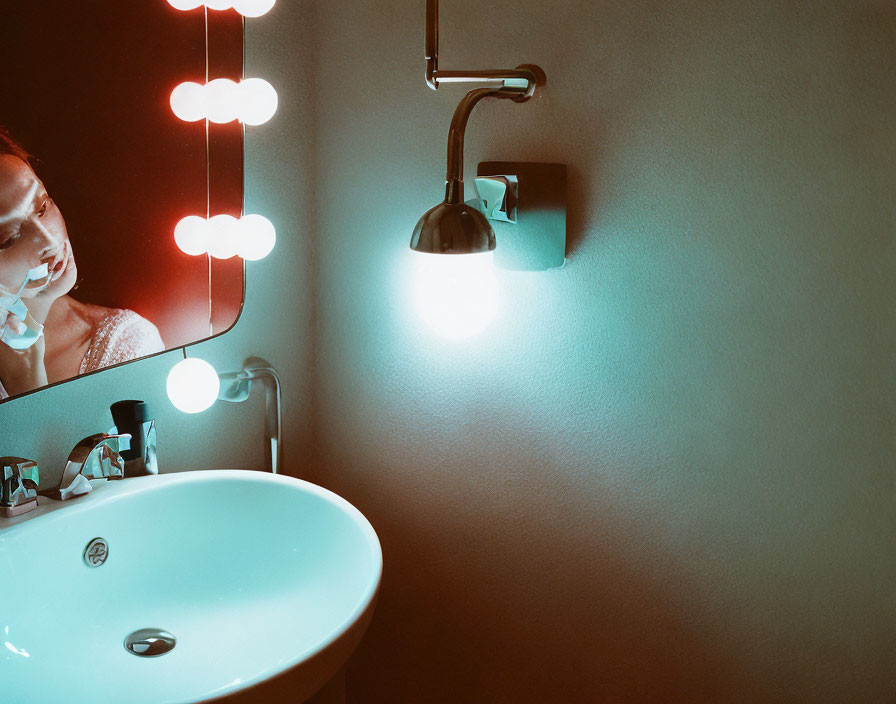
x,y
121,324
119,335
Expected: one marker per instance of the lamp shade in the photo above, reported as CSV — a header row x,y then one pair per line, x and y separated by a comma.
x,y
453,228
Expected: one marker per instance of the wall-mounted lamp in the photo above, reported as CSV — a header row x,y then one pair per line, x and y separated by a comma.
x,y
193,386
453,227
458,296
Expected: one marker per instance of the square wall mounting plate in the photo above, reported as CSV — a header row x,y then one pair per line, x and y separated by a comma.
x,y
526,206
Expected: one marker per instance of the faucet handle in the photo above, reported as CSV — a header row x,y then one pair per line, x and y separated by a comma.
x,y
19,478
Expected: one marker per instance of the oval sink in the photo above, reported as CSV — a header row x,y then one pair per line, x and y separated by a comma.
x,y
253,574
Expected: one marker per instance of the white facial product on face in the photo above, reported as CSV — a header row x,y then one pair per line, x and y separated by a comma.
x,y
13,304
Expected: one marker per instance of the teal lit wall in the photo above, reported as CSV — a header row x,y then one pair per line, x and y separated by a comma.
x,y
665,473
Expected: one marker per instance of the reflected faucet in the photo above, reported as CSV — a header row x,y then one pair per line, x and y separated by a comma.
x,y
95,457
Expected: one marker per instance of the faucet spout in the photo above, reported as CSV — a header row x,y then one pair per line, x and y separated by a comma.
x,y
95,457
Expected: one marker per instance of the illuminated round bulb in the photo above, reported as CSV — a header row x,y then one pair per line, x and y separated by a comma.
x,y
257,237
192,385
185,4
258,101
188,101
191,235
223,236
455,294
218,4
252,8
221,100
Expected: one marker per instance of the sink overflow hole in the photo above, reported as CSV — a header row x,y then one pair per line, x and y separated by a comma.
x,y
96,552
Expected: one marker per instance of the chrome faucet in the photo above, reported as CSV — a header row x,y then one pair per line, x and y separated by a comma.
x,y
18,486
95,457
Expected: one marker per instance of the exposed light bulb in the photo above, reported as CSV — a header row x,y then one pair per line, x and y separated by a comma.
x,y
257,101
223,236
455,294
252,101
257,237
188,101
192,385
191,234
185,4
247,8
222,100
252,8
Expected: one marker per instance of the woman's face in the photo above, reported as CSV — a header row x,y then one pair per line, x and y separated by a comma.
x,y
32,232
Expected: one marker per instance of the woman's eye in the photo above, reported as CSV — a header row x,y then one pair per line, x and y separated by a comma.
x,y
43,207
9,241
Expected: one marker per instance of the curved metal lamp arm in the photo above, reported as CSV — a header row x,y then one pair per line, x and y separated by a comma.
x,y
237,390
510,79
454,177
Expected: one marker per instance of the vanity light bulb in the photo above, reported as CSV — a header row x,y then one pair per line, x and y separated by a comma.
x,y
252,8
188,101
257,237
192,385
223,236
191,235
257,101
185,4
221,100
455,294
218,4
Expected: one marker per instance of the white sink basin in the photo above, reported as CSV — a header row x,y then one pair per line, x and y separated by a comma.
x,y
254,574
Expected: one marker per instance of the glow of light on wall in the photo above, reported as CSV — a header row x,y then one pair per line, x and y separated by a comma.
x,y
247,8
456,295
252,101
192,385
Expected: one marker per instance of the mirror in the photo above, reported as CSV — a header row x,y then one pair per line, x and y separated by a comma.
x,y
86,227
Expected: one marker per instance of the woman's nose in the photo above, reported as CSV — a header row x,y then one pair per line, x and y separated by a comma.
x,y
44,240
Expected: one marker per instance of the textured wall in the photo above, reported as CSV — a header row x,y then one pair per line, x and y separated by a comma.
x,y
666,471
274,323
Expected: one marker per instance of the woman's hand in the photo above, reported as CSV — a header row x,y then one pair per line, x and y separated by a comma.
x,y
21,370
11,322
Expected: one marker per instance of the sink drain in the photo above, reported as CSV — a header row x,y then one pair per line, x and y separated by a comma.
x,y
150,642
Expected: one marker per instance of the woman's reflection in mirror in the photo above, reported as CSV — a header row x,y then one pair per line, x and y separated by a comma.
x,y
77,337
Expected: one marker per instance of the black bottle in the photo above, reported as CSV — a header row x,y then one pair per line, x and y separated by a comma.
x,y
134,417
